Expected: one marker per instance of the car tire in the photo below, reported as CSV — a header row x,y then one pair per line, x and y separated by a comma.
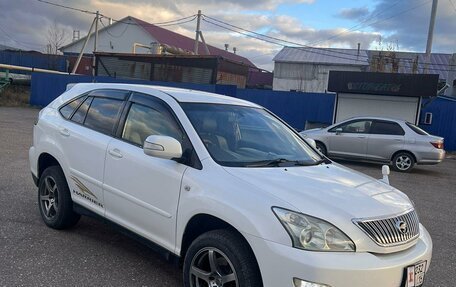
x,y
403,162
233,262
322,148
54,199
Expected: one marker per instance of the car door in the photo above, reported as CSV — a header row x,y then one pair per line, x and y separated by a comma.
x,y
349,139
386,137
84,137
142,192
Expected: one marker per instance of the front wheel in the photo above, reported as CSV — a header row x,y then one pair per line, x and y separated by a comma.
x,y
54,199
403,162
220,258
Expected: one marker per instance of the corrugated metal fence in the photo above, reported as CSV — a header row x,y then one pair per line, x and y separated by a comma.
x,y
34,60
295,108
443,124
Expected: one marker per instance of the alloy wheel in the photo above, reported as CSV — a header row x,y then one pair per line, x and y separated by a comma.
x,y
210,267
403,162
49,199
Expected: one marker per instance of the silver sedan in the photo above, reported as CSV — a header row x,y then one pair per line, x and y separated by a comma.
x,y
382,140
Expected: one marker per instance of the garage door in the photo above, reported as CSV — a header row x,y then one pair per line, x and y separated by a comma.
x,y
356,105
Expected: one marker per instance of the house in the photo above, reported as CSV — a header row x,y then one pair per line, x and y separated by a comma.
x,y
122,35
134,36
307,69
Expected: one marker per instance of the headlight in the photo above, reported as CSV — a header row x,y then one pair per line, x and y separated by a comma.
x,y
311,233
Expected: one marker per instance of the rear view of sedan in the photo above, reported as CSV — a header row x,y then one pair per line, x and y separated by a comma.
x,y
383,140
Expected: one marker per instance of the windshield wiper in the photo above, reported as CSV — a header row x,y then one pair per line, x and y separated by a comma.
x,y
283,162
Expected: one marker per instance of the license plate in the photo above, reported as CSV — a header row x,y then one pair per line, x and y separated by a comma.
x,y
415,274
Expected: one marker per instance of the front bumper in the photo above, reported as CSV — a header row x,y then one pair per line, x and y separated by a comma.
x,y
279,264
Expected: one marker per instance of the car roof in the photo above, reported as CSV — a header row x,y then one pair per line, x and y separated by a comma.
x,y
180,95
373,118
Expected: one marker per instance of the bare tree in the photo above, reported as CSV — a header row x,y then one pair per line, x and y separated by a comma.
x,y
55,37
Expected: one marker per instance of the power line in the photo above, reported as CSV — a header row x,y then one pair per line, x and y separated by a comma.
x,y
355,27
67,7
452,4
23,44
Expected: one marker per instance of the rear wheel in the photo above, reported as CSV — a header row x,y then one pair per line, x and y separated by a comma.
x,y
321,148
220,258
403,162
54,199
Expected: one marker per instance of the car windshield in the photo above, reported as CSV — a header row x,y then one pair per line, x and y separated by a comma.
x,y
242,136
417,129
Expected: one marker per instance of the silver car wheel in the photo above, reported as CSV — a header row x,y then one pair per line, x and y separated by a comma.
x,y
403,162
49,199
212,268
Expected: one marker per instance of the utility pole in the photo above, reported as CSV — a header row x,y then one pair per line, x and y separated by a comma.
x,y
430,35
95,42
198,23
83,47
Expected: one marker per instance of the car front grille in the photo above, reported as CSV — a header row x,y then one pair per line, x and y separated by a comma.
x,y
393,230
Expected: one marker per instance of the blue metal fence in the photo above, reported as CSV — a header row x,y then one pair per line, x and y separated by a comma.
x,y
443,124
295,108
33,60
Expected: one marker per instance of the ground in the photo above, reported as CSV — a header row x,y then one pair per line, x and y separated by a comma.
x,y
93,254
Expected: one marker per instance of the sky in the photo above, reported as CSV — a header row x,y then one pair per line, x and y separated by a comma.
x,y
400,25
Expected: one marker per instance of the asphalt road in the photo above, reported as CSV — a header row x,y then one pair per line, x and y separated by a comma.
x,y
93,254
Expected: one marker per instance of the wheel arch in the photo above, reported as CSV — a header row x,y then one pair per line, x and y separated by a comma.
x,y
202,223
405,151
46,160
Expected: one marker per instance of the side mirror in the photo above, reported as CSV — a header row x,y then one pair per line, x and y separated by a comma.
x,y
162,147
311,142
339,130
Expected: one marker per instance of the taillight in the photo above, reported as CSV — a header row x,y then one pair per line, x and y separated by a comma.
x,y
438,145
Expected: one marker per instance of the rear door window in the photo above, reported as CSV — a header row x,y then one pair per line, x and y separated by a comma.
x,y
386,128
80,114
67,110
103,114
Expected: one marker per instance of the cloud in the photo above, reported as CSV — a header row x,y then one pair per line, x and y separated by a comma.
x,y
353,13
28,27
407,24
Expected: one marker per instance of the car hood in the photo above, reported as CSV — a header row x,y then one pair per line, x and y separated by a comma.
x,y
326,191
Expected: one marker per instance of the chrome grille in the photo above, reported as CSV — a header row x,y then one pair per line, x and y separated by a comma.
x,y
393,230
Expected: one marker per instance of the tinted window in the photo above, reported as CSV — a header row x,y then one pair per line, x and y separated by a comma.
x,y
143,121
361,126
246,136
67,110
386,128
80,114
103,114
417,129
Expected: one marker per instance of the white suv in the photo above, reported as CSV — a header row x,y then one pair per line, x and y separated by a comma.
x,y
223,186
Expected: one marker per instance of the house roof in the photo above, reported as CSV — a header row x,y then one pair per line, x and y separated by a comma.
x,y
322,56
164,36
439,62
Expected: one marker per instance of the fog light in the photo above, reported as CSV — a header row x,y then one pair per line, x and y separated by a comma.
x,y
302,283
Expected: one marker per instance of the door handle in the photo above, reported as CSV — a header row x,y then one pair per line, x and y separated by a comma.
x,y
115,153
361,137
64,132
